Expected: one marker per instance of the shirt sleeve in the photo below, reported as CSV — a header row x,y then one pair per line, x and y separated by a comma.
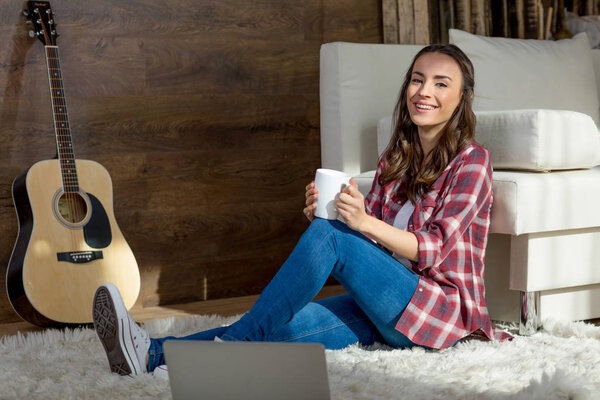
x,y
373,203
469,192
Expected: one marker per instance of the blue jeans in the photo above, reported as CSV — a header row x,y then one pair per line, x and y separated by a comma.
x,y
379,289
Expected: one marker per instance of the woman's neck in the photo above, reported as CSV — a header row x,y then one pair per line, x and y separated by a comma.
x,y
429,138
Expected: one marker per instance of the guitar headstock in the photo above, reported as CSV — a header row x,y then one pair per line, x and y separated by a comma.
x,y
39,14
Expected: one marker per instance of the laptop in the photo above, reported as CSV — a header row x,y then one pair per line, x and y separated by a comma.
x,y
246,370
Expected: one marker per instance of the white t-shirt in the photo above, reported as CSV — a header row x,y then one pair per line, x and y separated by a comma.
x,y
401,222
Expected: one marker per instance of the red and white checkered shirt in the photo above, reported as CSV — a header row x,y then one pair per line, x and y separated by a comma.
x,y
451,223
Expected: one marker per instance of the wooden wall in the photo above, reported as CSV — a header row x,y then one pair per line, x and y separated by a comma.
x,y
427,21
206,115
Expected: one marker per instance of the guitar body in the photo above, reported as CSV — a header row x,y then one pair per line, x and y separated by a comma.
x,y
59,260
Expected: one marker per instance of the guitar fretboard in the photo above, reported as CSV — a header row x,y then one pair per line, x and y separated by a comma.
x,y
64,143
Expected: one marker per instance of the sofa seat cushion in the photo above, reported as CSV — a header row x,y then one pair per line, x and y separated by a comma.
x,y
530,202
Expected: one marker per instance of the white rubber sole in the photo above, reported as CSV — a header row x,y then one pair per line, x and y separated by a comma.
x,y
114,330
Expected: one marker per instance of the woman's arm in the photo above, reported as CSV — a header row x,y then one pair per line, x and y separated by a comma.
x,y
351,206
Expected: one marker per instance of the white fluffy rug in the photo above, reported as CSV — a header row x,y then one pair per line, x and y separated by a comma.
x,y
561,362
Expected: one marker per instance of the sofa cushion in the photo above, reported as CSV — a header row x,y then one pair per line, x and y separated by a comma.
x,y
536,140
526,202
523,74
539,140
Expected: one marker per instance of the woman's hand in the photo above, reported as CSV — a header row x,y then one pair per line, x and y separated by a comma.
x,y
311,201
351,206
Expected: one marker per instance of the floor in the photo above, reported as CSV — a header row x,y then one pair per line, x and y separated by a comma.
x,y
225,307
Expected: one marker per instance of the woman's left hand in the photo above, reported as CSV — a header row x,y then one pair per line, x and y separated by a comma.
x,y
351,206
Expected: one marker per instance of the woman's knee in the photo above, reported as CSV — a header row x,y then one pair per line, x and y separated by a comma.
x,y
320,227
325,226
322,223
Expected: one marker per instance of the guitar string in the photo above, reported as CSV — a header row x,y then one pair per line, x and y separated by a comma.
x,y
70,157
69,196
66,156
49,58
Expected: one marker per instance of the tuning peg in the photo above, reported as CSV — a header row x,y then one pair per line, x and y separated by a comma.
x,y
31,34
26,13
28,22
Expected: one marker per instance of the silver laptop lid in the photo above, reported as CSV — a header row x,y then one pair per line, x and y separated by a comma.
x,y
246,370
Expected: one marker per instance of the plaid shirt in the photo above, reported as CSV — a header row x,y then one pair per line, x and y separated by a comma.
x,y
451,223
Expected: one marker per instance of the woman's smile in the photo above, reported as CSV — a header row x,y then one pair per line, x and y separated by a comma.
x,y
425,107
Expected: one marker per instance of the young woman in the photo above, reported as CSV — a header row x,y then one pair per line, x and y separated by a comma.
x,y
410,255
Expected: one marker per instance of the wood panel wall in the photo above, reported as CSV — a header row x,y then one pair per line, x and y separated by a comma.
x,y
206,115
427,21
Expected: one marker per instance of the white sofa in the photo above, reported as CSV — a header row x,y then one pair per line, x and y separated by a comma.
x,y
543,254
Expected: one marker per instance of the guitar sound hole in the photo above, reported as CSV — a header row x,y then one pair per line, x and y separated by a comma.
x,y
72,207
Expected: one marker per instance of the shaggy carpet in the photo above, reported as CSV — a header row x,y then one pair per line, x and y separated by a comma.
x,y
560,362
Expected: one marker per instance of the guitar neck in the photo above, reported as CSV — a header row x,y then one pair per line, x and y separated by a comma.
x,y
64,143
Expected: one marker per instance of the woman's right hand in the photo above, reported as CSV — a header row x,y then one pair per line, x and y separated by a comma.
x,y
311,201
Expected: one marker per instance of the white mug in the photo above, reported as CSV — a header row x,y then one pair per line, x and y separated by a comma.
x,y
329,183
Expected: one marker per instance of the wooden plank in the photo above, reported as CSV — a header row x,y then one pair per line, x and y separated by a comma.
x,y
505,18
589,6
434,21
478,17
520,15
446,14
541,20
554,16
548,24
489,18
531,19
347,21
218,65
389,9
421,21
406,22
90,67
462,13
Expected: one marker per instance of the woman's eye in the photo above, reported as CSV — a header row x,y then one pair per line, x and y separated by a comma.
x,y
416,80
441,84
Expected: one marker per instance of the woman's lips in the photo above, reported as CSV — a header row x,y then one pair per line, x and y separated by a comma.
x,y
426,109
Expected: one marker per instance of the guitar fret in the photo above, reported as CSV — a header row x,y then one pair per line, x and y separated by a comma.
x,y
61,122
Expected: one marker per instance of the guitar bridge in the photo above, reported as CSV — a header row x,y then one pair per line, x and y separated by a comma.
x,y
79,257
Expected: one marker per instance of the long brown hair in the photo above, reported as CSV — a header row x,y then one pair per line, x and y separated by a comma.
x,y
404,153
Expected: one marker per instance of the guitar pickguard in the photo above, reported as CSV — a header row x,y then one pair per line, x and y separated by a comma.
x,y
97,232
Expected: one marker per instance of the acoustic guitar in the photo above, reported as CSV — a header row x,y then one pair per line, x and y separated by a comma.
x,y
68,242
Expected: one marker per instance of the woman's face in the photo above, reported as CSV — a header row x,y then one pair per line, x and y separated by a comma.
x,y
434,92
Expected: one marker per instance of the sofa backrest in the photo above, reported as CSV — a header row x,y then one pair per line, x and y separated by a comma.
x,y
359,85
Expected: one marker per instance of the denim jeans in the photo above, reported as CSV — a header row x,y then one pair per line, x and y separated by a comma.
x,y
379,289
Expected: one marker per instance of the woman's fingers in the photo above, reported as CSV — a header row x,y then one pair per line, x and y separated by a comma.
x,y
311,199
311,194
309,211
347,198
